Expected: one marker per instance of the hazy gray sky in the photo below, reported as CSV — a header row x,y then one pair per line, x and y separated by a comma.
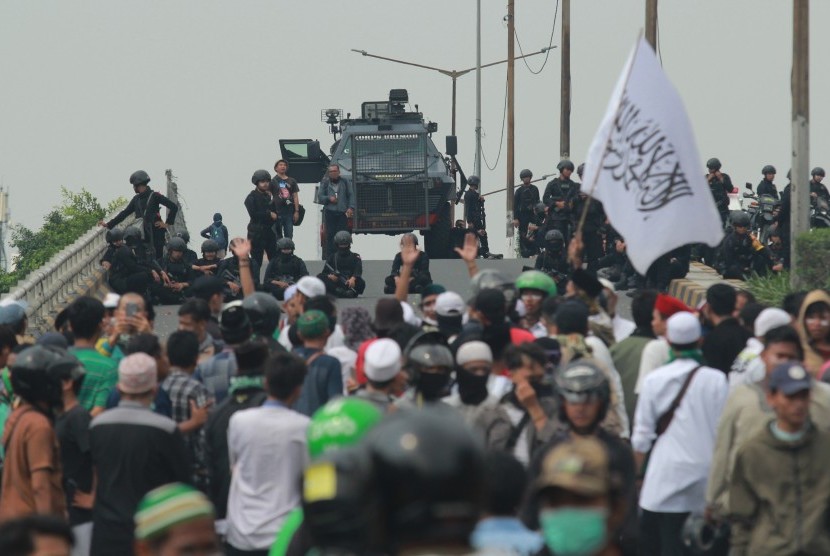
x,y
92,90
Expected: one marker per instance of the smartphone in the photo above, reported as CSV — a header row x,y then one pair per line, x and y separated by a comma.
x,y
132,309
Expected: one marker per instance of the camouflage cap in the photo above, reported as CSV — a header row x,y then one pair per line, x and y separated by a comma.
x,y
579,466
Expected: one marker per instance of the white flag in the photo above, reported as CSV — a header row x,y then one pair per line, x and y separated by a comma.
x,y
643,165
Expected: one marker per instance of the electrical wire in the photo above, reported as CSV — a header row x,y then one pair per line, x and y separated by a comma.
x,y
501,141
550,43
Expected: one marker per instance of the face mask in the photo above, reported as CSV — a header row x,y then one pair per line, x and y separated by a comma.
x,y
574,531
433,385
471,388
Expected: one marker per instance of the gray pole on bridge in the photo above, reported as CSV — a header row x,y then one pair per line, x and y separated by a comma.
x,y
800,84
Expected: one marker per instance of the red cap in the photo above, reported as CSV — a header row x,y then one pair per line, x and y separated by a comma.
x,y
667,305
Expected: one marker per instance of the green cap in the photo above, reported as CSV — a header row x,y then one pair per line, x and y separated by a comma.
x,y
536,280
340,423
167,506
312,324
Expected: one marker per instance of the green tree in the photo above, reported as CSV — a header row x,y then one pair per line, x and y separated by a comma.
x,y
77,213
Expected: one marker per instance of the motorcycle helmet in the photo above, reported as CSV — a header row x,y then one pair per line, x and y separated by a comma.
x,y
817,171
263,312
536,280
429,468
713,164
176,244
285,243
342,238
700,536
577,382
139,177
260,175
209,246
565,164
36,375
474,181
132,236
341,422
525,174
768,169
740,218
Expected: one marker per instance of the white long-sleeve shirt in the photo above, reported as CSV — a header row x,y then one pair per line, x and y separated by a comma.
x,y
678,467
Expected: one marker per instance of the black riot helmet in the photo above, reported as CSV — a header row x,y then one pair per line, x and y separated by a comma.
x,y
116,234
176,244
740,218
817,171
342,238
210,246
768,169
139,177
285,243
473,181
554,238
565,165
713,164
132,236
525,174
260,175
429,468
36,375
185,235
579,382
263,311
539,209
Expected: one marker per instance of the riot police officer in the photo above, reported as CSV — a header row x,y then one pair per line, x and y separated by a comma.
x,y
115,239
133,268
740,252
592,228
285,269
720,185
474,213
524,201
207,265
145,206
177,274
343,271
228,271
420,277
558,196
262,214
766,186
818,189
553,259
190,255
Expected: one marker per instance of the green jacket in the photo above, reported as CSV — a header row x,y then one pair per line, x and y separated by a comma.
x,y
780,495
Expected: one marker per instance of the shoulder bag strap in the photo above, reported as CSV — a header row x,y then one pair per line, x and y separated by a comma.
x,y
665,420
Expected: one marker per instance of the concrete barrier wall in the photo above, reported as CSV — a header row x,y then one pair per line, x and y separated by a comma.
x,y
691,290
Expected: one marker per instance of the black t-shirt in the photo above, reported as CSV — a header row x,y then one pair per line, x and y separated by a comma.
x,y
283,191
72,429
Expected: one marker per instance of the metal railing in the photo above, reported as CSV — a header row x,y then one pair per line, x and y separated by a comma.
x,y
74,271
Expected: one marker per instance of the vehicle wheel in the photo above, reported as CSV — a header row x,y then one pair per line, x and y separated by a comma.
x,y
437,240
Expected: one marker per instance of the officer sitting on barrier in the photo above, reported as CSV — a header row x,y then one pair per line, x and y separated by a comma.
x,y
420,270
286,269
177,274
343,270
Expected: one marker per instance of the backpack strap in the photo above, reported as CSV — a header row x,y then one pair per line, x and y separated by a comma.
x,y
665,419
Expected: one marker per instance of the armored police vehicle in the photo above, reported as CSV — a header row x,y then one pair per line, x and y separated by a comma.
x,y
402,182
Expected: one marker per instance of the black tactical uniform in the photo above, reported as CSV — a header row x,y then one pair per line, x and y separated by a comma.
x,y
524,203
419,279
283,268
132,270
228,271
766,187
180,272
146,206
554,263
260,227
592,229
344,264
559,190
720,189
820,190
474,214
739,258
204,262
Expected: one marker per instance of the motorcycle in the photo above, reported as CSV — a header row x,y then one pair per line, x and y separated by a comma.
x,y
819,213
762,212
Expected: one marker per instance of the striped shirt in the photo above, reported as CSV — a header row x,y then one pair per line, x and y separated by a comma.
x,y
101,377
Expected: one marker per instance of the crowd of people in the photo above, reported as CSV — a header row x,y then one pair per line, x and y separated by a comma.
x,y
529,418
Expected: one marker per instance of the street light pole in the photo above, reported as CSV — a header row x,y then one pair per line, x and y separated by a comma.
x,y
800,84
477,164
511,40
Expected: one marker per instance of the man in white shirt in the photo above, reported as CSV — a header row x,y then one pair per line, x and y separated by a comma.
x,y
267,449
748,367
678,466
656,353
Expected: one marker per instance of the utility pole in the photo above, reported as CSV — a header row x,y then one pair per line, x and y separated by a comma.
x,y
800,84
565,84
477,165
511,83
651,23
